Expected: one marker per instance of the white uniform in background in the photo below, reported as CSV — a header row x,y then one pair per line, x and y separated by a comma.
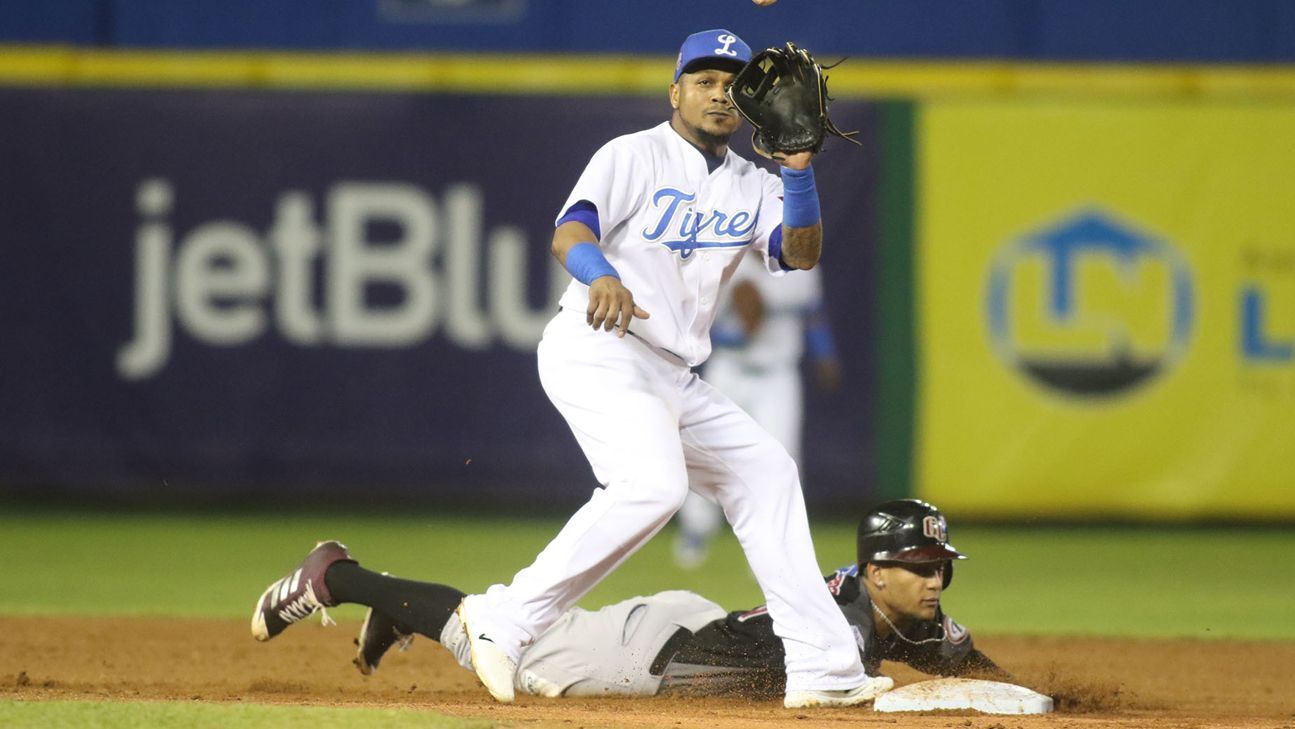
x,y
761,373
650,427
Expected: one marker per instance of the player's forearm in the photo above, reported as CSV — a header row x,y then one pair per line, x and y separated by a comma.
x,y
972,665
567,235
979,665
801,247
802,225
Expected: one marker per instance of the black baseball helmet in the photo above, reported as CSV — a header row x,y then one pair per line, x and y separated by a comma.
x,y
907,530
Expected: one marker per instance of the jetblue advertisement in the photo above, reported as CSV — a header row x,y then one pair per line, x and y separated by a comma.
x,y
241,294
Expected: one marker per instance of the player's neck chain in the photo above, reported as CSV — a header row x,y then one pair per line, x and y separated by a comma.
x,y
903,637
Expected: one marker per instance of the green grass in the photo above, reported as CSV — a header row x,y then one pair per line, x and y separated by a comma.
x,y
1134,582
1125,581
216,566
136,715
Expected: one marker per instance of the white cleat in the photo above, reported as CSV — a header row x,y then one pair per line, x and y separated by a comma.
x,y
492,663
873,687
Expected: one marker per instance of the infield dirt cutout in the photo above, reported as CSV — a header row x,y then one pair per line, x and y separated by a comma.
x,y
1095,682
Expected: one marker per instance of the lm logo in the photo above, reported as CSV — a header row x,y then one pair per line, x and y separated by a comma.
x,y
1090,306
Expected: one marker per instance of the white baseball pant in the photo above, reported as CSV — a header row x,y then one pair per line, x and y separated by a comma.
x,y
772,395
651,429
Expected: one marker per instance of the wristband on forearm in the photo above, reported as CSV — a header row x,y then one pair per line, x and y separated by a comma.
x,y
586,262
820,343
799,198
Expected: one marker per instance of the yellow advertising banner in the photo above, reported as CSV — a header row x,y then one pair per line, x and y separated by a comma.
x,y
1106,308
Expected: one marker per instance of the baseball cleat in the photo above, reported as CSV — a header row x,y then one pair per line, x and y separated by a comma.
x,y
377,635
298,595
873,687
492,663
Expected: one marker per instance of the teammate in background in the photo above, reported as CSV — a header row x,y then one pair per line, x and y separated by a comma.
x,y
763,329
653,229
676,642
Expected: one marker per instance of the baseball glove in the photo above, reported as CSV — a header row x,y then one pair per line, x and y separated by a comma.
x,y
782,92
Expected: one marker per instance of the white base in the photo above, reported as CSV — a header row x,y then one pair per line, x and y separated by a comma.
x,y
989,697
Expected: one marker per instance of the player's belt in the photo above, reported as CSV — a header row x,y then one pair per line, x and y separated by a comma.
x,y
655,348
668,651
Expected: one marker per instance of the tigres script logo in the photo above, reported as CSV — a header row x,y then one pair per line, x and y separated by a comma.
x,y
684,230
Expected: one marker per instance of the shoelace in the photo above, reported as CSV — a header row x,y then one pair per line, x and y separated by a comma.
x,y
305,605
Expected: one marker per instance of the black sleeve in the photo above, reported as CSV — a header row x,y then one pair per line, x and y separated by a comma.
x,y
979,665
746,639
946,649
744,642
737,641
970,663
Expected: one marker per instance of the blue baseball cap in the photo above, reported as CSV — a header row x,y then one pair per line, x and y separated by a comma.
x,y
712,45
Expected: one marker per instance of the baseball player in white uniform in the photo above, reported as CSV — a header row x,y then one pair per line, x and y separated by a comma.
x,y
651,232
765,325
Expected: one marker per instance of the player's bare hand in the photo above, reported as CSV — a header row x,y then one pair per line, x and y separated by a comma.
x,y
764,3
611,306
827,374
749,306
796,160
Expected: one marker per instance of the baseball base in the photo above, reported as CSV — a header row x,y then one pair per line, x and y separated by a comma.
x,y
989,697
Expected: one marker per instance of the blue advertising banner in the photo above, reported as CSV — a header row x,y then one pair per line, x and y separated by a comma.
x,y
228,295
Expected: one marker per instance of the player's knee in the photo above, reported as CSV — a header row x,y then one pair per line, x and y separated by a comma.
x,y
668,497
653,492
677,499
778,467
775,479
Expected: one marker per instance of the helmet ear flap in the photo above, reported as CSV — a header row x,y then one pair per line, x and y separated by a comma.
x,y
948,574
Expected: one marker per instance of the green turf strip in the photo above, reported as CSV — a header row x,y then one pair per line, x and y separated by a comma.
x,y
140,714
1125,581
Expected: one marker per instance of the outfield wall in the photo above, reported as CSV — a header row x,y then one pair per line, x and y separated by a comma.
x,y
1058,290
212,291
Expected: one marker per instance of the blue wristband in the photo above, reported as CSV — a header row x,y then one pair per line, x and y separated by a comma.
x,y
820,342
799,198
586,262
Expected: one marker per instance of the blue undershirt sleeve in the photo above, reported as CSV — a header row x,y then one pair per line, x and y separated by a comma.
x,y
585,212
775,248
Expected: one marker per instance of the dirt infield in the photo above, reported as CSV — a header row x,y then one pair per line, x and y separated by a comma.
x,y
1096,682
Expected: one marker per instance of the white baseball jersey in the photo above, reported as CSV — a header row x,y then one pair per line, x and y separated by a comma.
x,y
675,231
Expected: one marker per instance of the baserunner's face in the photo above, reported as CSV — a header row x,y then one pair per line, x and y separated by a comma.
x,y
913,590
703,109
